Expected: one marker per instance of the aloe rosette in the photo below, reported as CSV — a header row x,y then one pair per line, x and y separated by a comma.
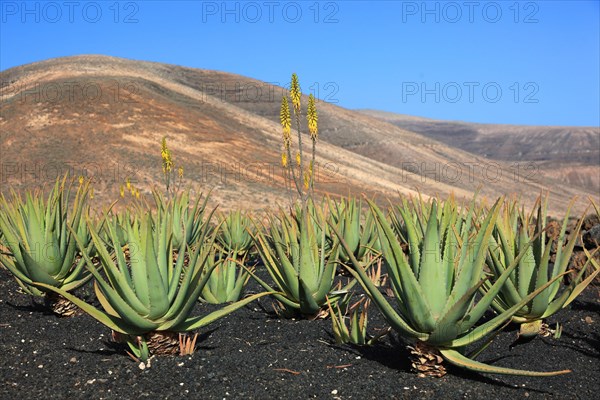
x,y
300,265
185,216
513,233
40,246
436,285
235,232
121,220
360,237
145,290
228,277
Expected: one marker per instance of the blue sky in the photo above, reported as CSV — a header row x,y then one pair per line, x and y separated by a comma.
x,y
520,62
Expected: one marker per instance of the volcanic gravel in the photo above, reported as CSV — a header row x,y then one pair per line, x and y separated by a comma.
x,y
252,354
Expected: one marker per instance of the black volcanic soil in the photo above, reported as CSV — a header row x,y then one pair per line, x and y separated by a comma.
x,y
252,354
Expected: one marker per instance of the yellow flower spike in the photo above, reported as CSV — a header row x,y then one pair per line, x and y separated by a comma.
x,y
91,193
286,120
80,179
128,184
312,118
298,159
295,93
180,172
165,153
306,180
137,194
284,160
122,191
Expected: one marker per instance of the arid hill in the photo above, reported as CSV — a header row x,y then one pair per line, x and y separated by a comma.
x,y
105,117
567,154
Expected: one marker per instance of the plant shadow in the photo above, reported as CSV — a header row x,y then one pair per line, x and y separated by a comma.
x,y
593,342
396,356
34,307
121,348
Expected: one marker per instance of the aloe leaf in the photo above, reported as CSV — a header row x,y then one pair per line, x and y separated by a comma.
x,y
14,268
583,284
447,327
339,328
393,318
480,348
199,322
284,278
307,268
525,281
75,283
482,241
413,297
574,289
448,263
117,279
454,357
125,311
308,305
491,294
137,252
473,254
157,291
191,286
563,255
175,275
114,323
560,260
432,273
509,292
326,279
104,303
209,297
413,240
35,269
540,303
469,270
491,325
507,246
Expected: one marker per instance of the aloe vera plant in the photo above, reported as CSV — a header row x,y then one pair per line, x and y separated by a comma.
x,y
317,217
512,234
436,284
227,278
40,246
299,264
235,233
121,221
360,237
146,294
185,216
356,333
